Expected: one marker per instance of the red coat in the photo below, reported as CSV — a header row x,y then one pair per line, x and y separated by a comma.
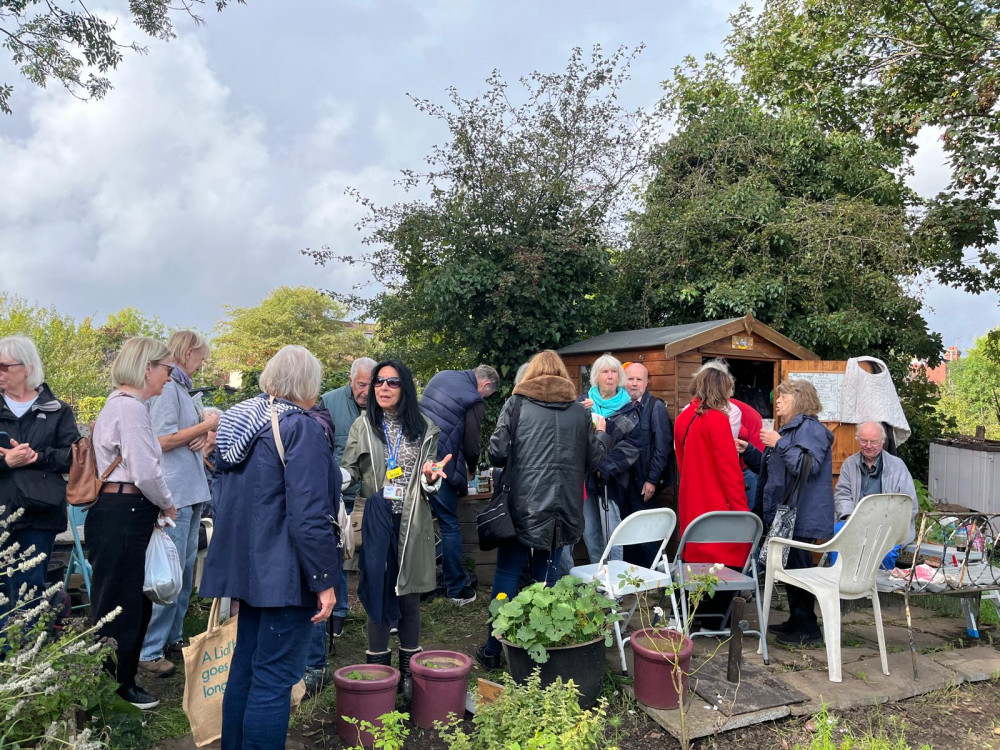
x,y
711,479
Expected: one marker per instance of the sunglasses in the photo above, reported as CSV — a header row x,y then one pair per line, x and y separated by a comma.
x,y
5,368
170,368
393,383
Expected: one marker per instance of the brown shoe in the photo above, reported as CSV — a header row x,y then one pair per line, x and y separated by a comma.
x,y
158,667
174,649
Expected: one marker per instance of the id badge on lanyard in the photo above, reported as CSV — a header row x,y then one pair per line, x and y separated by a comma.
x,y
393,470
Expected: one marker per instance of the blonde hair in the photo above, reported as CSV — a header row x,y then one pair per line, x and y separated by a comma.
x,y
606,362
546,363
136,354
806,399
293,373
181,342
712,386
24,351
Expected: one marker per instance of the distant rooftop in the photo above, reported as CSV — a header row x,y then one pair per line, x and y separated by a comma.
x,y
642,338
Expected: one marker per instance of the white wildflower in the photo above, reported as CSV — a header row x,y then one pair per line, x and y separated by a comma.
x,y
716,568
658,611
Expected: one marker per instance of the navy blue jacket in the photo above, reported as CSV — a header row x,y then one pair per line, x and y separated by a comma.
x,y
445,400
778,467
379,566
275,544
655,463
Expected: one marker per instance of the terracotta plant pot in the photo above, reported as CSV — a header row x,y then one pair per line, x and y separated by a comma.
x,y
440,684
364,692
583,663
653,649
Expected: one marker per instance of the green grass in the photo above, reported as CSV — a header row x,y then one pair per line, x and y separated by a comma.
x,y
880,734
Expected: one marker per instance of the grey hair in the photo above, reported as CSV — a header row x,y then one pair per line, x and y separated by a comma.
x,y
362,364
293,373
24,351
857,430
211,410
490,375
722,366
520,373
606,362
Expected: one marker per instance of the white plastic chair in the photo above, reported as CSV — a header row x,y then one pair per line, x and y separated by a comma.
x,y
723,527
655,525
878,523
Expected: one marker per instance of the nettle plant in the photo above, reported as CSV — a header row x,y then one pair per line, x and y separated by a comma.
x,y
48,677
569,613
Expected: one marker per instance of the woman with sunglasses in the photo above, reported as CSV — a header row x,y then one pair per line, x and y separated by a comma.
x,y
39,432
391,450
135,495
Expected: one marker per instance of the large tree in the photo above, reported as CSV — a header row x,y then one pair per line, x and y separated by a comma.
x,y
506,253
62,41
249,336
888,69
971,393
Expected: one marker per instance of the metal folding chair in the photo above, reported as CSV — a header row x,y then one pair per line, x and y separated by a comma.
x,y
77,560
655,525
723,527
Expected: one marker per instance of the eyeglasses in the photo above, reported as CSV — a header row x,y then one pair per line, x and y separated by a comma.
x,y
170,368
5,367
393,383
870,443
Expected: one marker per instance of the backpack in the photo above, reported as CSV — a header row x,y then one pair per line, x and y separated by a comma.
x,y
84,484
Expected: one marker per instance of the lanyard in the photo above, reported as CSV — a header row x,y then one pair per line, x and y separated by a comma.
x,y
391,456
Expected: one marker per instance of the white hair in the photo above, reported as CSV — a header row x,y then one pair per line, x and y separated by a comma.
x,y
520,373
362,364
881,427
722,366
606,362
23,349
211,411
293,373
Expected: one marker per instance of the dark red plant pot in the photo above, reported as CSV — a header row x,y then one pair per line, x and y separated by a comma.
x,y
583,663
440,684
653,650
364,700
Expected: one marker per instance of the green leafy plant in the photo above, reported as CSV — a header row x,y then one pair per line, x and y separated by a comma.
x,y
391,735
357,674
569,613
531,717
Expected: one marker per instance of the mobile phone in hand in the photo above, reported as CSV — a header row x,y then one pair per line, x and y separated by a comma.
x,y
5,441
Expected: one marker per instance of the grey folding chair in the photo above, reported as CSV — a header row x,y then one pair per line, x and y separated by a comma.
x,y
722,527
654,525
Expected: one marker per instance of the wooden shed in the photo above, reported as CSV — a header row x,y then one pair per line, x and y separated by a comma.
x,y
672,354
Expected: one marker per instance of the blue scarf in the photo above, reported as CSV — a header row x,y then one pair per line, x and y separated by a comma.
x,y
607,406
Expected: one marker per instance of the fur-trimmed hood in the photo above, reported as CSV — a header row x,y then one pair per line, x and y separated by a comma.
x,y
547,388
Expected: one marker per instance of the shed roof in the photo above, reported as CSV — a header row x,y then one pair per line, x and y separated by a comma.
x,y
675,339
642,338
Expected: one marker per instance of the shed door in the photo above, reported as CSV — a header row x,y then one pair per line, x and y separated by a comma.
x,y
828,377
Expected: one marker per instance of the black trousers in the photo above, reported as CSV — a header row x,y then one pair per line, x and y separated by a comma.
x,y
117,531
801,604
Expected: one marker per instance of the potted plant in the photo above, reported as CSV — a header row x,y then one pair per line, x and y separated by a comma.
x,y
563,629
364,693
439,686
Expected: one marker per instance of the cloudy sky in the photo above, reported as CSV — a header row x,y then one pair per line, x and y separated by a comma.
x,y
221,154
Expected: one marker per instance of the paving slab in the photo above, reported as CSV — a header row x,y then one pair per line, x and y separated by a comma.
x,y
974,664
757,687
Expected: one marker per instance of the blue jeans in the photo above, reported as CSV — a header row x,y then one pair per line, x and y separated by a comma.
x,y
316,655
750,483
597,527
444,502
34,577
270,657
511,559
167,624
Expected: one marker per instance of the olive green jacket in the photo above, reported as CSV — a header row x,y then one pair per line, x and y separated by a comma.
x,y
364,459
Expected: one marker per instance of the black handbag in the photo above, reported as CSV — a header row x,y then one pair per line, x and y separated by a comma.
x,y
493,522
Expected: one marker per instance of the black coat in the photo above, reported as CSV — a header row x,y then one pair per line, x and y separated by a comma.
x,y
555,447
49,427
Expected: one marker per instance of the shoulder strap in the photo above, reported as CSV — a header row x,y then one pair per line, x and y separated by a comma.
x,y
114,464
793,492
684,441
276,431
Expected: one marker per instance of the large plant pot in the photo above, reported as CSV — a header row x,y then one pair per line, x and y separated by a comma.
x,y
582,663
440,684
363,699
653,649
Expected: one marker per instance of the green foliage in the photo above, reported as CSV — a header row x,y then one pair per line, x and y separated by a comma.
x,y
64,42
390,735
829,736
540,617
506,256
886,69
919,398
252,335
88,407
924,500
971,393
529,716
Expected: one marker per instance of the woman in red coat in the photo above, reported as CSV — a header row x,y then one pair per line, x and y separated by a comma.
x,y
711,478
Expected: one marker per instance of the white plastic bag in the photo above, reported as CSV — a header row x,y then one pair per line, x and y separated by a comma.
x,y
163,578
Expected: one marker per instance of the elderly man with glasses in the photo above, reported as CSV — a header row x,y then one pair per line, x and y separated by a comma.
x,y
869,472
